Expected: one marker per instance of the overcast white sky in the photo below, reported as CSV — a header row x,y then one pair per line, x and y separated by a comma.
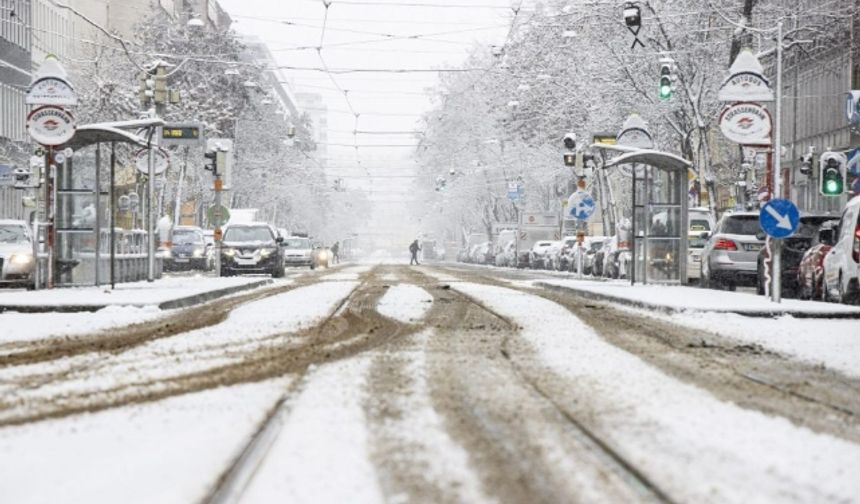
x,y
368,34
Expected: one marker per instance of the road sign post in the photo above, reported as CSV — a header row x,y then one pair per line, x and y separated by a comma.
x,y
778,218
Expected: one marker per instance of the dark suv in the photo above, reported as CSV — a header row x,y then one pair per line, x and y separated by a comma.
x,y
188,249
251,248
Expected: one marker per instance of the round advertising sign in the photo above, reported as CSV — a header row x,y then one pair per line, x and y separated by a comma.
x,y
746,124
51,125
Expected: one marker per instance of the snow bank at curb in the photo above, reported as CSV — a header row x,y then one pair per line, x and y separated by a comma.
x,y
695,446
405,303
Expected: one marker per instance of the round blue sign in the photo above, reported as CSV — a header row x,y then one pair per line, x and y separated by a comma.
x,y
580,206
779,218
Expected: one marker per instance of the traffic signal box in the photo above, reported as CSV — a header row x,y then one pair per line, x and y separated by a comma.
x,y
833,166
667,78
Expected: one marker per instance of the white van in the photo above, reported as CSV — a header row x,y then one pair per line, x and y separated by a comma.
x,y
700,221
842,263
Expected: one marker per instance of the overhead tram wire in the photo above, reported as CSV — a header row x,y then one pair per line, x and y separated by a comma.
x,y
327,5
417,4
427,37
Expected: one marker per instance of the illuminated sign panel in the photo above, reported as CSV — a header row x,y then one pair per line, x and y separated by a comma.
x,y
182,134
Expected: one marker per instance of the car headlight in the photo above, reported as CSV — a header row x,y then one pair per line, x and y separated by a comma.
x,y
164,254
228,252
323,255
266,252
198,252
21,258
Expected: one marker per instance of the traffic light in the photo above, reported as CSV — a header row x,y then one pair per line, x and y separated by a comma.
x,y
160,85
833,173
217,162
146,88
667,78
806,164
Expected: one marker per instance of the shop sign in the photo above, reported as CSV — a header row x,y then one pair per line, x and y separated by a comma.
x,y
746,124
51,125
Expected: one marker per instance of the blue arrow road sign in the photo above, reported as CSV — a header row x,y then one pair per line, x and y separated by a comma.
x,y
779,218
580,206
854,162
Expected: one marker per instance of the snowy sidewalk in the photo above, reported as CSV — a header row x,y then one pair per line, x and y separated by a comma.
x,y
676,298
165,293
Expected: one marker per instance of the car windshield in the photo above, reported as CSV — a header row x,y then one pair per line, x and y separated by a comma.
x,y
741,225
808,228
13,234
187,237
699,225
297,243
596,246
248,234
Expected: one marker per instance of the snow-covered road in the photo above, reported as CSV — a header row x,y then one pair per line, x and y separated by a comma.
x,y
395,384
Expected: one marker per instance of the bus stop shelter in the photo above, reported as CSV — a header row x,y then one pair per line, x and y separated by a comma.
x,y
660,217
81,241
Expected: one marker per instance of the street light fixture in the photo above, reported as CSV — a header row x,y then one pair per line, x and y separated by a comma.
x,y
195,22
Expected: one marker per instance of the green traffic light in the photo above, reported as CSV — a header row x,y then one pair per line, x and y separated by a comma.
x,y
832,187
665,89
832,181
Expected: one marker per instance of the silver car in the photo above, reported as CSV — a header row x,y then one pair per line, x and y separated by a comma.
x,y
730,256
16,254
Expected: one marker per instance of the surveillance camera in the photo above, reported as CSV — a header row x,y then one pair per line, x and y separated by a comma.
x,y
570,141
452,172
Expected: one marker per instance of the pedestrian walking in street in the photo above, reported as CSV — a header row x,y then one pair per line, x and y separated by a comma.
x,y
413,249
335,252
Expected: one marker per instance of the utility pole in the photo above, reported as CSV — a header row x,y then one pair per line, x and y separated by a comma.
x,y
153,96
777,164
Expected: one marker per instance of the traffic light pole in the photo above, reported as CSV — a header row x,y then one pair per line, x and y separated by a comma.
x,y
217,214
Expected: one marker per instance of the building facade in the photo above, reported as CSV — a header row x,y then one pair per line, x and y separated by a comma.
x,y
15,75
816,81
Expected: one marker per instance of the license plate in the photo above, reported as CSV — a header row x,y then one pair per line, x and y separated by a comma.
x,y
181,259
246,262
752,247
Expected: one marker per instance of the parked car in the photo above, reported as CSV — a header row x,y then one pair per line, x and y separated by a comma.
x,y
552,256
730,255
591,246
298,251
793,249
463,255
537,254
616,258
482,253
187,250
810,273
16,254
842,262
567,254
700,221
617,264
507,255
251,248
597,259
